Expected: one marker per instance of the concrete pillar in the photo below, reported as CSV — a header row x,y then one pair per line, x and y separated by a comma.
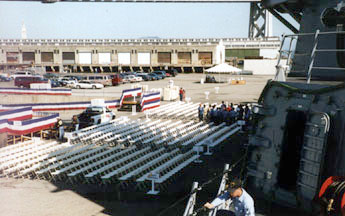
x,y
20,56
195,58
38,57
114,59
94,57
57,57
154,59
134,58
174,58
76,58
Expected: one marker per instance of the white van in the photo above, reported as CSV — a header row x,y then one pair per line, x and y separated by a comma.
x,y
20,74
102,79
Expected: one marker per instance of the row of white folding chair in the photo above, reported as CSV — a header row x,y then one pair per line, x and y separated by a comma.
x,y
138,131
135,132
188,107
152,131
148,165
86,161
159,133
91,130
168,109
126,131
111,135
163,107
135,163
23,156
15,146
95,163
20,148
112,128
224,136
203,135
33,160
187,110
67,158
161,167
174,109
195,130
176,132
111,166
176,169
218,133
48,165
46,159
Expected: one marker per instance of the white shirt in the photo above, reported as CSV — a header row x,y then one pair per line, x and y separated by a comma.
x,y
244,205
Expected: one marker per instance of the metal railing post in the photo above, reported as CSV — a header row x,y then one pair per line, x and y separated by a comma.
x,y
312,56
192,200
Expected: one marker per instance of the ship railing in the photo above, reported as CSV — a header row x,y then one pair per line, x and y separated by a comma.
x,y
282,70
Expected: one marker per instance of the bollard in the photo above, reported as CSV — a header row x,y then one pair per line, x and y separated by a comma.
x,y
207,94
216,89
202,81
188,99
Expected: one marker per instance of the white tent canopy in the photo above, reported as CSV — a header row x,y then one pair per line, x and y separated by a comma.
x,y
223,68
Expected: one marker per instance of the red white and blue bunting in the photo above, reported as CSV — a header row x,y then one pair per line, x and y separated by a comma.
x,y
150,100
9,123
35,91
130,93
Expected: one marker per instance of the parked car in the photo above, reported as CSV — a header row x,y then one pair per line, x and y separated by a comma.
x,y
55,83
4,78
20,74
126,79
102,79
24,82
168,74
137,78
95,115
173,72
87,85
130,78
144,76
160,73
73,77
67,81
51,76
154,76
116,79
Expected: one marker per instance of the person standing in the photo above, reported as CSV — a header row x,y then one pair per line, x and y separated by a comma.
x,y
61,129
242,201
201,112
181,93
184,95
75,123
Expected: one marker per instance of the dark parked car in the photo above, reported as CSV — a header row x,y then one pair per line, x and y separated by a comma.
x,y
55,83
160,73
4,78
155,76
51,76
27,80
173,72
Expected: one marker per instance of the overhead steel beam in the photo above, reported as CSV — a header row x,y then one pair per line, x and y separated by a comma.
x,y
145,1
284,21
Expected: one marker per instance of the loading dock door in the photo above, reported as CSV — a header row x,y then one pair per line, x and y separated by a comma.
x,y
104,58
12,57
184,58
144,58
85,58
205,58
124,58
312,155
47,57
164,57
68,58
28,57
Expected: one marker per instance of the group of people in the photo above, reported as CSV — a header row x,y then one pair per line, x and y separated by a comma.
x,y
182,94
60,127
224,113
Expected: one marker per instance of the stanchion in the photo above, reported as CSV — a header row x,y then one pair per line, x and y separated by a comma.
x,y
207,94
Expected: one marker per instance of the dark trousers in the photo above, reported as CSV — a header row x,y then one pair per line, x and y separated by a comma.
x,y
225,213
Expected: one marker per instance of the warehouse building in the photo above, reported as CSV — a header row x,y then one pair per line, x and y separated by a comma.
x,y
113,55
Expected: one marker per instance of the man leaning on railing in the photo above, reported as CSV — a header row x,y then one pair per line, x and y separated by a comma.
x,y
243,202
